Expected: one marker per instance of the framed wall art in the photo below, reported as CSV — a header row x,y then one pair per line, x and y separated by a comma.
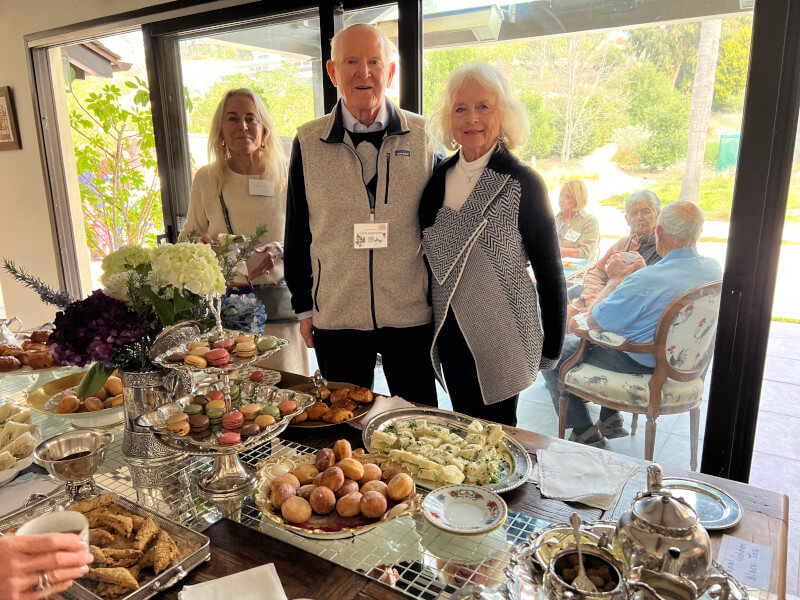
x,y
9,131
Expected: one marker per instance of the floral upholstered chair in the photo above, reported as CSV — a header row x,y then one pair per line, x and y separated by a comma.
x,y
682,348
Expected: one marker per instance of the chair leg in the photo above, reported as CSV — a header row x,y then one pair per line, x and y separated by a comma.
x,y
694,435
634,423
649,438
563,407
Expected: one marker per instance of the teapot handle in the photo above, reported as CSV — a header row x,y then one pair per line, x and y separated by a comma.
x,y
19,325
722,582
641,585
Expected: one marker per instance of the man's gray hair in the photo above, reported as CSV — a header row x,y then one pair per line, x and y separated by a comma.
x,y
643,196
682,220
388,46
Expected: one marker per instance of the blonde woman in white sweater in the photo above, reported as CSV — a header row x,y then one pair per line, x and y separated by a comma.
x,y
243,187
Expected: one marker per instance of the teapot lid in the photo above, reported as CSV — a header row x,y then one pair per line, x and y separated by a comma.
x,y
659,508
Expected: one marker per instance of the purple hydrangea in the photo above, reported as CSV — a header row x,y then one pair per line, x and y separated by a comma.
x,y
94,330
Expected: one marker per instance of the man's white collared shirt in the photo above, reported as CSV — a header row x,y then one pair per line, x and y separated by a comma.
x,y
353,125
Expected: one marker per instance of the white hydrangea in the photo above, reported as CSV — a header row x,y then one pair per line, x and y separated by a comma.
x,y
126,258
186,265
116,285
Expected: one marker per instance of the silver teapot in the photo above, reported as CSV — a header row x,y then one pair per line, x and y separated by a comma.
x,y
661,529
665,584
7,335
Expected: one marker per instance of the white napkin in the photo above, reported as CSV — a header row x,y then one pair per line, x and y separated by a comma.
x,y
380,405
588,475
261,583
14,494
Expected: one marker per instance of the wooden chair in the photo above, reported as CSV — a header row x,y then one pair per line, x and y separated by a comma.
x,y
682,348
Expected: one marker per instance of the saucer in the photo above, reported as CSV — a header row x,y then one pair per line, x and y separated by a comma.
x,y
464,509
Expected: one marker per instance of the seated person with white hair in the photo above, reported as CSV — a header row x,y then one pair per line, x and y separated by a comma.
x,y
630,305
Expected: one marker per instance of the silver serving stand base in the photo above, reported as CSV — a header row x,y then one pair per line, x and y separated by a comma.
x,y
228,476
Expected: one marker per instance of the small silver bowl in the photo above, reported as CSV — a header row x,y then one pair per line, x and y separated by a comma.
x,y
73,458
556,587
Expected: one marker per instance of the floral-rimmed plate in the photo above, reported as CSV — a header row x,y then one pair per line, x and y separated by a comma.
x,y
464,509
271,377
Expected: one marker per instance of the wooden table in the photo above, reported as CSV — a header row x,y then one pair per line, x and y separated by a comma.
x,y
237,548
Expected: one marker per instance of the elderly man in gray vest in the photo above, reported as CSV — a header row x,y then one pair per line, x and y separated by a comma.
x,y
352,260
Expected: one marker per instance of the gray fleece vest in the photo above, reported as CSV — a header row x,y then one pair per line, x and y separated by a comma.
x,y
353,290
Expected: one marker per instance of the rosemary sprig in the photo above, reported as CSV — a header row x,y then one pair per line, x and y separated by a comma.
x,y
46,293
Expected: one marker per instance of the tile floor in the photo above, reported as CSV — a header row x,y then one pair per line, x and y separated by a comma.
x,y
776,460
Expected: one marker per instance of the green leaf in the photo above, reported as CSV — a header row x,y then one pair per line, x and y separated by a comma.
x,y
165,309
94,379
131,84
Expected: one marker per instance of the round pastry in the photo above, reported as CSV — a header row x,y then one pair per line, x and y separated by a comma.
x,y
40,360
11,350
296,510
322,500
250,411
374,486
67,404
257,376
266,343
200,400
332,478
115,401
73,391
317,479
195,361
101,394
9,363
305,473
342,449
249,430
199,423
40,336
229,438
349,486
317,410
271,410
181,429
349,505
325,459
215,417
285,479
373,505
227,344
199,351
245,338
371,473
29,346
92,404
233,420
361,395
193,345
177,419
287,406
215,395
265,421
304,491
215,404
193,409
281,494
303,416
351,468
113,386
245,349
400,486
176,357
218,357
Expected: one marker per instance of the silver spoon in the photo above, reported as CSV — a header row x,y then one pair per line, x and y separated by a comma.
x,y
582,581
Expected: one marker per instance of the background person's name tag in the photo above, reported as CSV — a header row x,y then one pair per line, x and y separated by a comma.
x,y
367,236
572,235
261,187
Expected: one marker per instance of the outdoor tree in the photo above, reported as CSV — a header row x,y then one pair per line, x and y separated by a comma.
x,y
117,170
702,95
734,59
669,48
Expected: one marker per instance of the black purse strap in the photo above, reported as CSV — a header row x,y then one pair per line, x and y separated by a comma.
x,y
225,213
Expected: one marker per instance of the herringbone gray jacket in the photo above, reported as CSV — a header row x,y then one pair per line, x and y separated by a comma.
x,y
477,259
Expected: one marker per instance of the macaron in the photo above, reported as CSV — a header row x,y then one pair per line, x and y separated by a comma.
x,y
227,344
194,345
200,400
195,361
266,343
215,404
265,421
215,417
257,376
245,349
218,357
250,411
176,357
199,423
233,420
271,410
235,391
192,409
245,337
199,351
213,337
287,406
229,438
177,419
249,430
181,429
215,395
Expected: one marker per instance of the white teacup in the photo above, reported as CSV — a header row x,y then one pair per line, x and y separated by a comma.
x,y
57,522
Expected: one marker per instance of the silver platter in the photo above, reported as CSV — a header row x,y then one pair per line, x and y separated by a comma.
x,y
716,508
520,461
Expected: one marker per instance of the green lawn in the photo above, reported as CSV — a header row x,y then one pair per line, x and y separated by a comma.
x,y
716,192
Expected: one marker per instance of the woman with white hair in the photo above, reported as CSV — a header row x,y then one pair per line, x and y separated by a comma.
x,y
578,231
484,214
243,187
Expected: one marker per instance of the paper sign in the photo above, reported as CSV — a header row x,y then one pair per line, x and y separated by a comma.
x,y
368,236
572,235
261,187
749,563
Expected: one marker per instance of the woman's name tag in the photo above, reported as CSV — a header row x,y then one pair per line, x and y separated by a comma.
x,y
261,187
367,236
572,235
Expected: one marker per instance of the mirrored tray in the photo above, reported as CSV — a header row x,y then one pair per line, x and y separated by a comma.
x,y
518,459
716,508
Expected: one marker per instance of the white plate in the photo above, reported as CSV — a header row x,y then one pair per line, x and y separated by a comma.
x,y
464,509
21,464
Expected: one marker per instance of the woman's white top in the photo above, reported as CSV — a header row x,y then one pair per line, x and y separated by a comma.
x,y
461,179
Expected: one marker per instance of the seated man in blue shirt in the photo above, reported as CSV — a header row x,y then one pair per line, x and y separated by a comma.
x,y
630,305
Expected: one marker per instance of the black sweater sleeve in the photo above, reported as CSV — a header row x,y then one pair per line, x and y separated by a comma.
x,y
538,229
297,239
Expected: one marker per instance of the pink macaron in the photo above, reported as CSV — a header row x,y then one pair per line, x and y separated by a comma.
x,y
229,438
215,395
227,344
233,420
218,357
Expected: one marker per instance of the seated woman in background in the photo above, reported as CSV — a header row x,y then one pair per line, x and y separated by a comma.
x,y
578,231
242,188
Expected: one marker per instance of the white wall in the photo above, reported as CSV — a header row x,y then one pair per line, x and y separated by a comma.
x,y
25,226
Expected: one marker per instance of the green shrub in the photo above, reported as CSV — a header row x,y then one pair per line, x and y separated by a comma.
x,y
711,153
543,131
629,140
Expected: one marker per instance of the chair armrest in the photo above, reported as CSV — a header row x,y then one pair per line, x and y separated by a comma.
x,y
615,341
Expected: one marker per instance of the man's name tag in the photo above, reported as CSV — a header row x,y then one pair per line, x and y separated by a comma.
x,y
261,187
367,236
572,235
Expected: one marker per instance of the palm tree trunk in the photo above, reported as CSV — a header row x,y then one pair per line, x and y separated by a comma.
x,y
702,96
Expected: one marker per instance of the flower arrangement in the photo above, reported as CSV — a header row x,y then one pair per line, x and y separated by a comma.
x,y
243,312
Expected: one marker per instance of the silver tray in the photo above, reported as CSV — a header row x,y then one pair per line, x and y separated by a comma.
x,y
149,586
716,508
520,463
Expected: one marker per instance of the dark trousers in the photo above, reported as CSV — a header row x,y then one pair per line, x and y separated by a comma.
x,y
461,376
349,355
599,356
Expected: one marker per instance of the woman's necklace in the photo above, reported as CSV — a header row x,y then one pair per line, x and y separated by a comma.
x,y
466,173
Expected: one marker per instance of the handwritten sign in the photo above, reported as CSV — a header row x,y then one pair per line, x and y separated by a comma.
x,y
749,563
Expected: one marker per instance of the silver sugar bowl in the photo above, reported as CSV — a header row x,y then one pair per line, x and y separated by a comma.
x,y
660,529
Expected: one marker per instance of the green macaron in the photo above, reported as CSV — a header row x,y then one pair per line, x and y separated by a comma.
x,y
273,411
193,409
